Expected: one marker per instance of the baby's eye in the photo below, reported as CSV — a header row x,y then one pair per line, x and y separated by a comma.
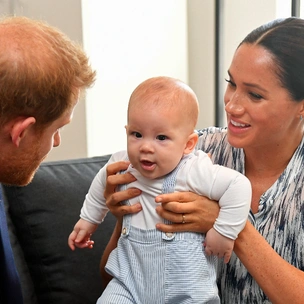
x,y
161,137
136,134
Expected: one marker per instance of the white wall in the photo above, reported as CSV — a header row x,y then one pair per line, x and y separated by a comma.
x,y
128,42
65,15
201,57
240,18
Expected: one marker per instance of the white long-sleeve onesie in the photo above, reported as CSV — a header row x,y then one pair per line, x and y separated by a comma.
x,y
199,175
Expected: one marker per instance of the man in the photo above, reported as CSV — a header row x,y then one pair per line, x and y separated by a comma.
x,y
42,74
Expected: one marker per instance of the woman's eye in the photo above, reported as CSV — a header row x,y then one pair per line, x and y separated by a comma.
x,y
230,82
255,96
161,137
136,134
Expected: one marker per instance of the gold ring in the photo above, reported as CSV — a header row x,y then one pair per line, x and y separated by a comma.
x,y
184,218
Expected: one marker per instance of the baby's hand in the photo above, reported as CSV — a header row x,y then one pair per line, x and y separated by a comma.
x,y
81,235
219,245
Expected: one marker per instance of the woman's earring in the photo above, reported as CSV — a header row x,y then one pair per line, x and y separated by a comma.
x,y
301,117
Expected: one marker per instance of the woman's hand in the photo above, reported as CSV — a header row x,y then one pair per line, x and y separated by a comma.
x,y
188,212
114,199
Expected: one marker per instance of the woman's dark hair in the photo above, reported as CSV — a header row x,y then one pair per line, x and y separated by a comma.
x,y
284,39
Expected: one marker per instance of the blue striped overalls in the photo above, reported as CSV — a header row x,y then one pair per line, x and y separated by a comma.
x,y
153,267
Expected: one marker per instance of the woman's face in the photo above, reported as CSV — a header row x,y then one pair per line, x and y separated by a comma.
x,y
260,112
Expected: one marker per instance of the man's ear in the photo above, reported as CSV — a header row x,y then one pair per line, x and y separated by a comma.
x,y
19,128
191,143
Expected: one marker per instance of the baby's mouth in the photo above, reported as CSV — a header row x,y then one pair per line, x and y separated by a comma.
x,y
147,165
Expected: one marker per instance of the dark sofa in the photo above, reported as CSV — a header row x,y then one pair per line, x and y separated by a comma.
x,y
41,217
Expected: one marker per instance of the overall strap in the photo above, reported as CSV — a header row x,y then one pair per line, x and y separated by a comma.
x,y
170,180
169,187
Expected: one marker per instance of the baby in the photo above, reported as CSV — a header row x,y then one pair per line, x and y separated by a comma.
x,y
149,266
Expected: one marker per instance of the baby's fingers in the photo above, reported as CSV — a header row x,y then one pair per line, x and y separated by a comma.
x,y
208,251
71,240
82,234
227,257
86,244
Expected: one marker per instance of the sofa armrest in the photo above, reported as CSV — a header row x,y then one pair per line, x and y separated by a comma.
x,y
44,213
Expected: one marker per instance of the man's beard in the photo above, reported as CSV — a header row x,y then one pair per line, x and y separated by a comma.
x,y
19,171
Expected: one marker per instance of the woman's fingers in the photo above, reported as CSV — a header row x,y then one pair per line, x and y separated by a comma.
x,y
114,202
120,179
187,211
185,220
117,197
176,197
179,227
114,179
114,199
119,210
117,167
174,213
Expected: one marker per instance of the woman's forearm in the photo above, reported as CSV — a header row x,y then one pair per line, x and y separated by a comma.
x,y
112,244
281,282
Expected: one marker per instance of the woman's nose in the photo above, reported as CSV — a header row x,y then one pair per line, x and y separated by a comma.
x,y
233,103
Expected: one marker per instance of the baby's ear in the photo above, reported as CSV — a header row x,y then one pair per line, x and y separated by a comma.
x,y
191,143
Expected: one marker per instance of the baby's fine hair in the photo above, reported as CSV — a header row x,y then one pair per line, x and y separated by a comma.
x,y
166,92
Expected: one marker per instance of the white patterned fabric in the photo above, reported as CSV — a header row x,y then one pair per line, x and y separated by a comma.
x,y
280,218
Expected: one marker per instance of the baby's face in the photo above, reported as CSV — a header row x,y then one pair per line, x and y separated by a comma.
x,y
156,140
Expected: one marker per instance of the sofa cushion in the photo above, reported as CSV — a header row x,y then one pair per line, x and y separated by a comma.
x,y
44,213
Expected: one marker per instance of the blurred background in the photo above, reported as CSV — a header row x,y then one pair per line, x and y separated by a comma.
x,y
130,41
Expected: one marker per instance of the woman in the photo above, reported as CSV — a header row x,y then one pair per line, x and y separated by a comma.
x,y
264,102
